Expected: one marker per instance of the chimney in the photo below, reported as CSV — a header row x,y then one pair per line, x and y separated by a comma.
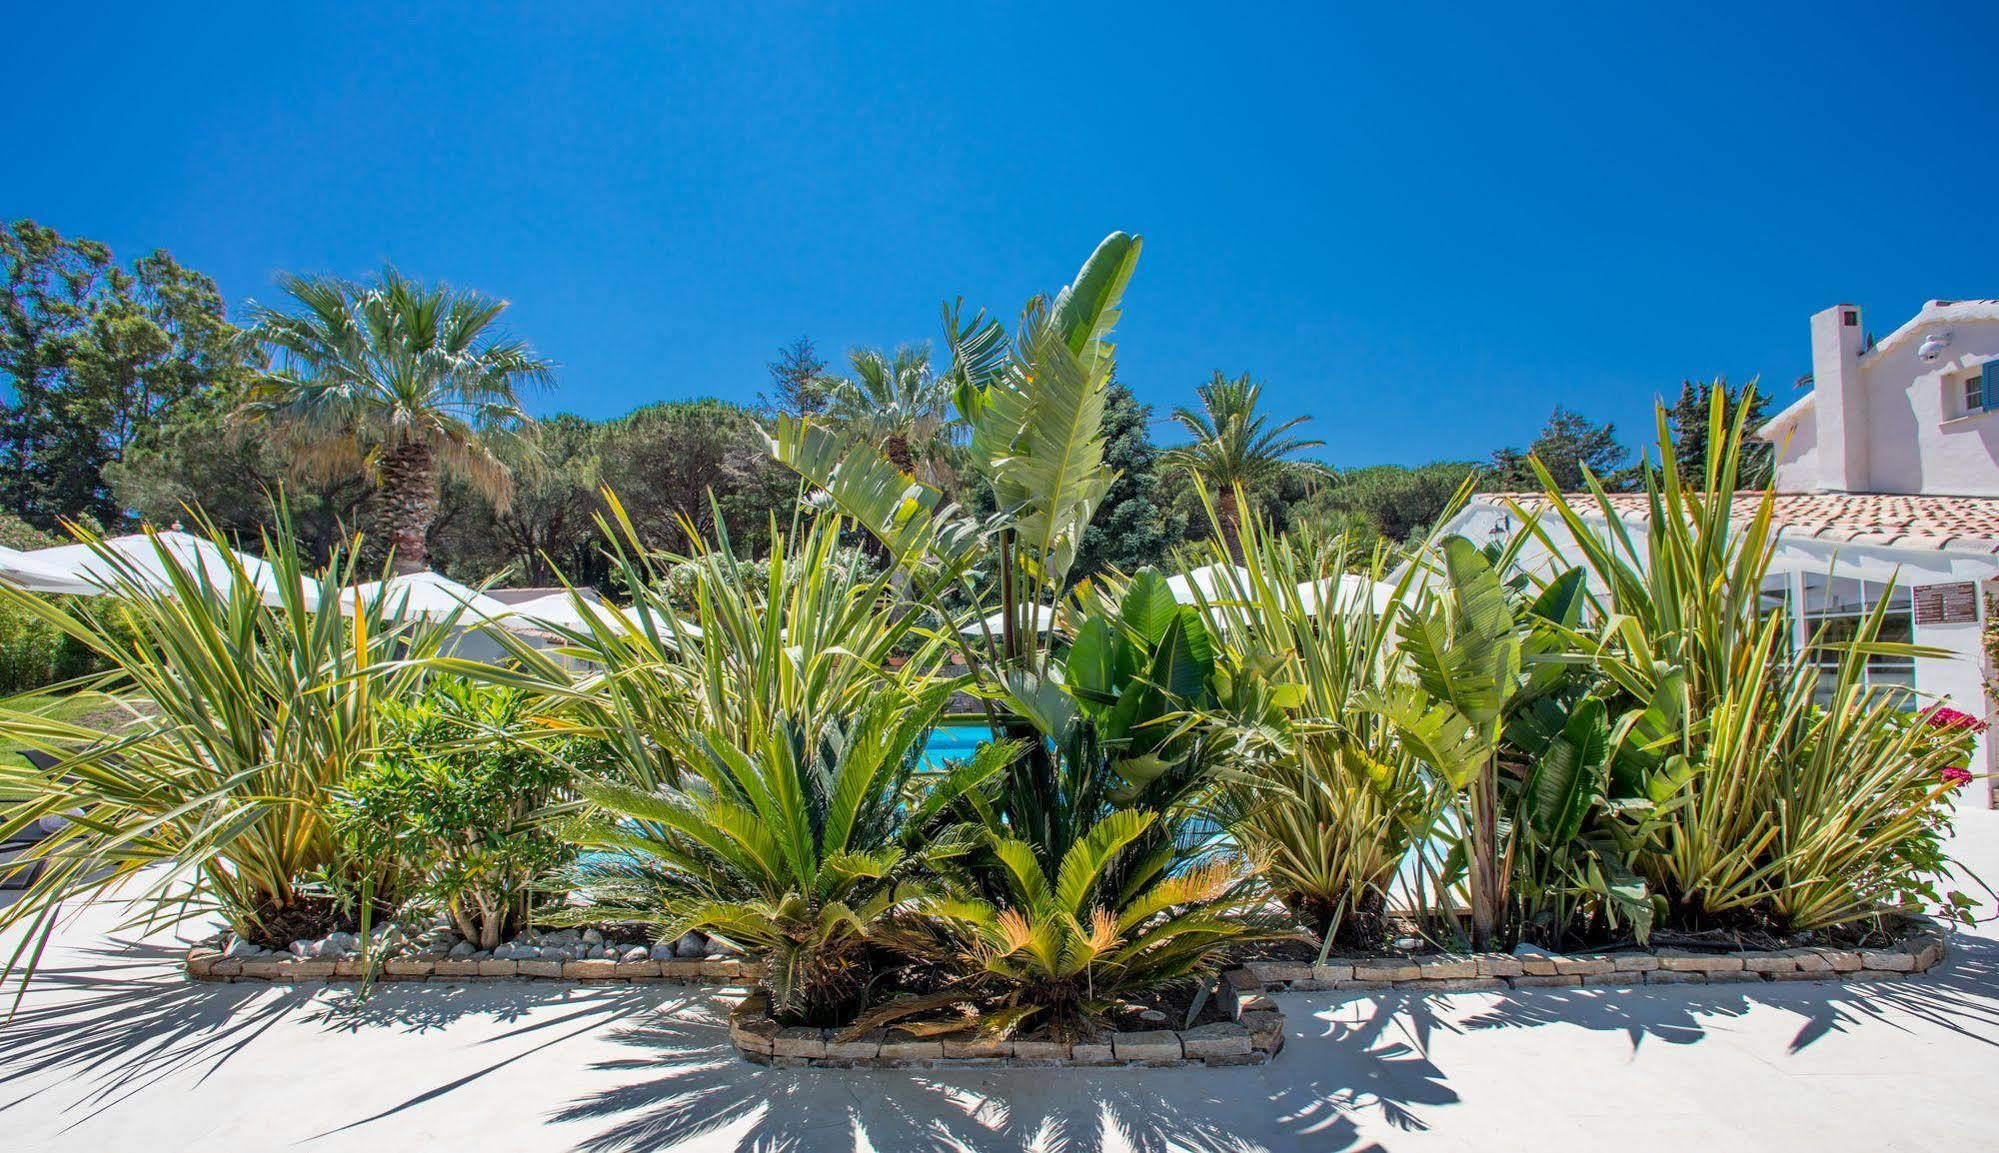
x,y
1840,409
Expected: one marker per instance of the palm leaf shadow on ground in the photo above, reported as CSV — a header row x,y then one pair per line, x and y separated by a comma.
x,y
686,1085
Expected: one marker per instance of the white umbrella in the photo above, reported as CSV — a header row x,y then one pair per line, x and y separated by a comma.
x,y
80,568
426,594
1044,620
1214,582
22,569
1352,589
562,610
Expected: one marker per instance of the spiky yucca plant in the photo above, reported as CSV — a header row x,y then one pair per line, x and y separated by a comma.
x,y
246,717
1780,794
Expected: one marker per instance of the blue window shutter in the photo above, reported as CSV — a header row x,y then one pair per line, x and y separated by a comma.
x,y
1988,385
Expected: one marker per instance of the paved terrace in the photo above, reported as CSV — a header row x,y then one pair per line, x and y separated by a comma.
x,y
113,1049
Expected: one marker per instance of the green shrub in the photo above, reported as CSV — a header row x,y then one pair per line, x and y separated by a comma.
x,y
29,651
463,805
1780,800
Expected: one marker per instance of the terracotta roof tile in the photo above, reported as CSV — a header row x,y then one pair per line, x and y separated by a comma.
x,y
1955,523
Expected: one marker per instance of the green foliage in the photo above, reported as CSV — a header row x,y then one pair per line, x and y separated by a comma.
x,y
1234,446
795,845
1060,950
1688,420
252,716
1121,727
1322,797
193,459
898,403
1778,796
799,383
463,805
92,356
1401,504
397,381
1570,447
685,470
1136,525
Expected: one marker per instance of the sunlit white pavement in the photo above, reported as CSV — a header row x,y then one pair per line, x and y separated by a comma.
x,y
112,1049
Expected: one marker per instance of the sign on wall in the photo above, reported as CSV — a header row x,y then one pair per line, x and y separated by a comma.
x,y
1947,604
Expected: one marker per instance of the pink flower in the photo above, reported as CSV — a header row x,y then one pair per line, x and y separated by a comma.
x,y
1944,717
1956,775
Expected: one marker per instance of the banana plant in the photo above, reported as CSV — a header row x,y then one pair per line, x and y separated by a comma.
x,y
1035,407
1120,728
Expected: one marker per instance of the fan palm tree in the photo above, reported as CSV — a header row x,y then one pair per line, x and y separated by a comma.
x,y
899,404
1233,449
396,379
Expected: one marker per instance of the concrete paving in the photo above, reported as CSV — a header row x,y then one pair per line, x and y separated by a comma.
x,y
112,1049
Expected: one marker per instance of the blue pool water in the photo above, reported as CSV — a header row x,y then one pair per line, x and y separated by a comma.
x,y
953,742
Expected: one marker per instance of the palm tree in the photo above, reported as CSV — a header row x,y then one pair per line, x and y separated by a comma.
x,y
396,379
1232,449
899,404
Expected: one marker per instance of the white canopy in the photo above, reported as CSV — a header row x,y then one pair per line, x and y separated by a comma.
x,y
1352,590
1044,620
1215,582
80,569
561,610
426,594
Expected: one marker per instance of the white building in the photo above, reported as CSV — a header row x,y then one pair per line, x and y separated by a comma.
x,y
1887,471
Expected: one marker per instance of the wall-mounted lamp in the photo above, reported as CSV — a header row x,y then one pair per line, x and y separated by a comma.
x,y
1933,346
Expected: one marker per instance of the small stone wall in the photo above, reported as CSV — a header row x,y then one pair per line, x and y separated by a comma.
x,y
1253,1039
206,963
1247,987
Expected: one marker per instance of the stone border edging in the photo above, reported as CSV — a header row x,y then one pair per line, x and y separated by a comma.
x,y
206,963
1253,1039
1247,987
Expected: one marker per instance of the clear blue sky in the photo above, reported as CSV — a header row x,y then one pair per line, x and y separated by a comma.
x,y
1424,228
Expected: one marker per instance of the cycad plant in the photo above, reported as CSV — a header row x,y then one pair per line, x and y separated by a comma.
x,y
1060,951
246,717
796,848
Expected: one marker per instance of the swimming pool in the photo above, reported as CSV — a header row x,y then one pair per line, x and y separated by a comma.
x,y
952,741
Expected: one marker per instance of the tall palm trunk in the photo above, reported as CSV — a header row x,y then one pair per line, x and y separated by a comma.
x,y
406,503
1230,514
896,448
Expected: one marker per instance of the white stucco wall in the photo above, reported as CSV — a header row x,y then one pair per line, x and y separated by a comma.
x,y
1918,439
1797,455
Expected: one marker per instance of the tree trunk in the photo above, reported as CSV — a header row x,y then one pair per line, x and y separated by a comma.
x,y
1231,517
406,503
1488,891
895,447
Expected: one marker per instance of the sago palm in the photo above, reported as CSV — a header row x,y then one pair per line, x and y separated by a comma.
x,y
397,379
1235,448
795,850
1063,953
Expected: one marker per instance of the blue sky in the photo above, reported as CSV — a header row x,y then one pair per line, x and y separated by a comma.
x,y
1422,227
